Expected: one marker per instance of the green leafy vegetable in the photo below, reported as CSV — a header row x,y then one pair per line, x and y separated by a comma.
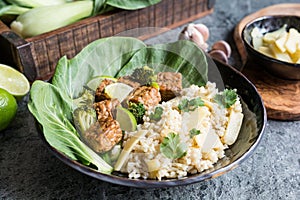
x,y
102,57
186,105
193,132
103,6
47,18
172,148
52,109
227,98
182,56
36,3
12,10
131,4
156,116
138,110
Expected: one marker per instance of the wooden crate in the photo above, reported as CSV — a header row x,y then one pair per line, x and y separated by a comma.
x,y
37,56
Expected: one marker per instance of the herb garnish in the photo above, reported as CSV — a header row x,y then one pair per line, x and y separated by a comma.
x,y
194,132
227,98
171,146
156,116
138,110
190,105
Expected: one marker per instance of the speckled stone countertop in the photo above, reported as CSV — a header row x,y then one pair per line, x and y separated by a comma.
x,y
29,171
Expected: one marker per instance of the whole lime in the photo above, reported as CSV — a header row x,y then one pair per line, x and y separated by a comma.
x,y
8,108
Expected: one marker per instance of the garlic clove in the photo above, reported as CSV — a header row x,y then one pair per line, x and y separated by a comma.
x,y
223,46
193,34
203,30
219,55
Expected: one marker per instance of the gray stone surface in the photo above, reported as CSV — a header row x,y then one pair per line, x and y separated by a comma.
x,y
29,171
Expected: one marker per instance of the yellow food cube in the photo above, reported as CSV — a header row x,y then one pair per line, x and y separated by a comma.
x,y
257,38
266,50
280,42
274,35
292,41
257,42
153,165
296,56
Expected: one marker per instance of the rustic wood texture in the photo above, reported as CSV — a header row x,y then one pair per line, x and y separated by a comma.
x,y
46,49
281,97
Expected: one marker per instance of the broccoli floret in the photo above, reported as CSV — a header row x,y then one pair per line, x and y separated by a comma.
x,y
144,75
138,111
84,117
87,98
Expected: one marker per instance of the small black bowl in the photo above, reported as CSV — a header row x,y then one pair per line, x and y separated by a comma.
x,y
266,24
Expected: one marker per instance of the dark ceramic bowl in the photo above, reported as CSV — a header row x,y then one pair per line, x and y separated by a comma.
x,y
248,139
266,24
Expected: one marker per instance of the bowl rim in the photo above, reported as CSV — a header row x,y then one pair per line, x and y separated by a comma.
x,y
148,183
265,57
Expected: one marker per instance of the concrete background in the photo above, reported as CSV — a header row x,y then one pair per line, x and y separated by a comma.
x,y
29,171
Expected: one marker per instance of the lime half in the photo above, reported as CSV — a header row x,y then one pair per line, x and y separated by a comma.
x,y
13,81
118,90
95,82
8,108
126,119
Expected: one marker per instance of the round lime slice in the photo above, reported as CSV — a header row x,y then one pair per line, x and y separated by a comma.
x,y
13,81
126,119
118,90
95,82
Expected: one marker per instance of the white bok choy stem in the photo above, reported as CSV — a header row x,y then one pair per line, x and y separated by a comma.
x,y
128,148
36,3
47,18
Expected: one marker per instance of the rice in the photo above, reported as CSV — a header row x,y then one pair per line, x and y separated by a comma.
x,y
147,161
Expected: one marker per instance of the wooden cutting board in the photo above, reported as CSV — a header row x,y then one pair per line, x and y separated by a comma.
x,y
281,97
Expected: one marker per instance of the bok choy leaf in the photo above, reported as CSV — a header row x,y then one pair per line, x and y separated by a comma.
x,y
53,111
131,4
102,57
182,56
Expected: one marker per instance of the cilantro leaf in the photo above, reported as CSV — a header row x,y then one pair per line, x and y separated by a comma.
x,y
138,110
171,146
194,132
227,98
183,105
156,116
190,105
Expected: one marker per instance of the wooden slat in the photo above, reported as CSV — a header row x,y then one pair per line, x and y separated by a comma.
x,y
177,10
41,58
53,56
105,25
119,22
160,12
79,37
93,31
185,10
131,20
169,13
66,44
